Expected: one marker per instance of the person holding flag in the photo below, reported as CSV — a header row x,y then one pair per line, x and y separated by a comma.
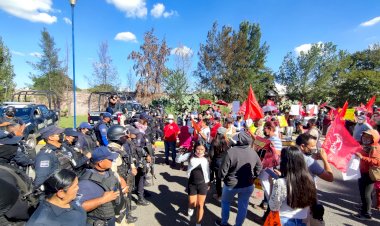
x,y
369,160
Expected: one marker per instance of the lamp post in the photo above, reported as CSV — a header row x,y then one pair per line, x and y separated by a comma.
x,y
72,3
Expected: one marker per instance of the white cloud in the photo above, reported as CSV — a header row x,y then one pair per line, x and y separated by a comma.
x,y
36,54
132,8
182,51
67,20
158,10
32,10
171,13
371,22
304,48
126,37
17,53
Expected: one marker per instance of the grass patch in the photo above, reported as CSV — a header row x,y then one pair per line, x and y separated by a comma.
x,y
68,122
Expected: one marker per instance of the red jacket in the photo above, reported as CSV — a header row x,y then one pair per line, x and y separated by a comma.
x,y
214,130
373,157
171,131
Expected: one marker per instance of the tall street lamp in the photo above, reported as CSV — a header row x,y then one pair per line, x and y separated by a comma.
x,y
72,3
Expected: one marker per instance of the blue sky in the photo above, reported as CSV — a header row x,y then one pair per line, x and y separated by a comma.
x,y
287,25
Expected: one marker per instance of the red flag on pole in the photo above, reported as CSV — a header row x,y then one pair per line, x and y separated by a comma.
x,y
339,145
204,101
243,107
370,104
195,125
253,109
343,111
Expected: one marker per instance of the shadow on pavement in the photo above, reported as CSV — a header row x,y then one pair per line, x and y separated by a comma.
x,y
174,179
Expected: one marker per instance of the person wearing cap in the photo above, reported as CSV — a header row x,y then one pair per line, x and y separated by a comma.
x,y
10,150
101,128
360,127
100,188
86,139
369,157
53,155
118,135
80,156
11,122
171,131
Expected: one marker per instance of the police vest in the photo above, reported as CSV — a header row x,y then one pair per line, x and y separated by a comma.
x,y
107,210
65,159
122,162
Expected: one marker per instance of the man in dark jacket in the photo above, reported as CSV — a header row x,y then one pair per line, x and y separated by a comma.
x,y
239,167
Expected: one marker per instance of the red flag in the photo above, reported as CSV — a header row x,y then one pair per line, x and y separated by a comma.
x,y
253,109
195,125
343,111
370,104
204,101
339,145
243,107
270,103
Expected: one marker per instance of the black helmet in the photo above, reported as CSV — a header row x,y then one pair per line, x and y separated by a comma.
x,y
10,111
115,132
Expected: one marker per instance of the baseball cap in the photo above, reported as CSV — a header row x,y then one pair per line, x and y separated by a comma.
x,y
71,132
103,152
49,131
85,125
8,138
107,115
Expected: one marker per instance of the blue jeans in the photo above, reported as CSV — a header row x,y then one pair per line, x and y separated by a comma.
x,y
170,145
291,222
243,200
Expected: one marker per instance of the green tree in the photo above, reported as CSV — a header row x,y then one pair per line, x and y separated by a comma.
x,y
104,76
50,73
311,76
360,76
176,84
149,64
7,74
231,60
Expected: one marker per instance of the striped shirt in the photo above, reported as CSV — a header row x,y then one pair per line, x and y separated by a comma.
x,y
277,143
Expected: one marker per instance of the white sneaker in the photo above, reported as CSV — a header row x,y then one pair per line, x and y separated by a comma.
x,y
190,212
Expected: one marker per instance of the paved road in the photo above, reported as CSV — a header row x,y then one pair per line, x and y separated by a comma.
x,y
169,202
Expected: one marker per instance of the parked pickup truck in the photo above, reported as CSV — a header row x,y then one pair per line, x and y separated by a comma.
x,y
97,104
35,116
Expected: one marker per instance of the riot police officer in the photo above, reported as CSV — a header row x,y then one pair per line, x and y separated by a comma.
x,y
100,188
101,128
86,139
118,135
10,120
143,159
71,144
11,151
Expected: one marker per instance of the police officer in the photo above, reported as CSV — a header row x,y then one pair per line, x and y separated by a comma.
x,y
10,120
118,135
53,155
143,159
71,143
86,139
100,189
11,151
101,128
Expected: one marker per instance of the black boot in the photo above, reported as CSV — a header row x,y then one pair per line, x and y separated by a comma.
x,y
142,202
130,219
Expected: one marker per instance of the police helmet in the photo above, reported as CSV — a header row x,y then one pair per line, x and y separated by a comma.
x,y
115,132
10,111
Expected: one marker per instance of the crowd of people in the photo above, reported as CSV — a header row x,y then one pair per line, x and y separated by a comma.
x,y
87,175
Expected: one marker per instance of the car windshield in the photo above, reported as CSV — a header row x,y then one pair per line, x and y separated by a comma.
x,y
23,113
137,107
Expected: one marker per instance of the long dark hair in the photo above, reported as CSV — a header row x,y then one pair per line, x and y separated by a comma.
x,y
219,144
300,186
197,144
59,180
